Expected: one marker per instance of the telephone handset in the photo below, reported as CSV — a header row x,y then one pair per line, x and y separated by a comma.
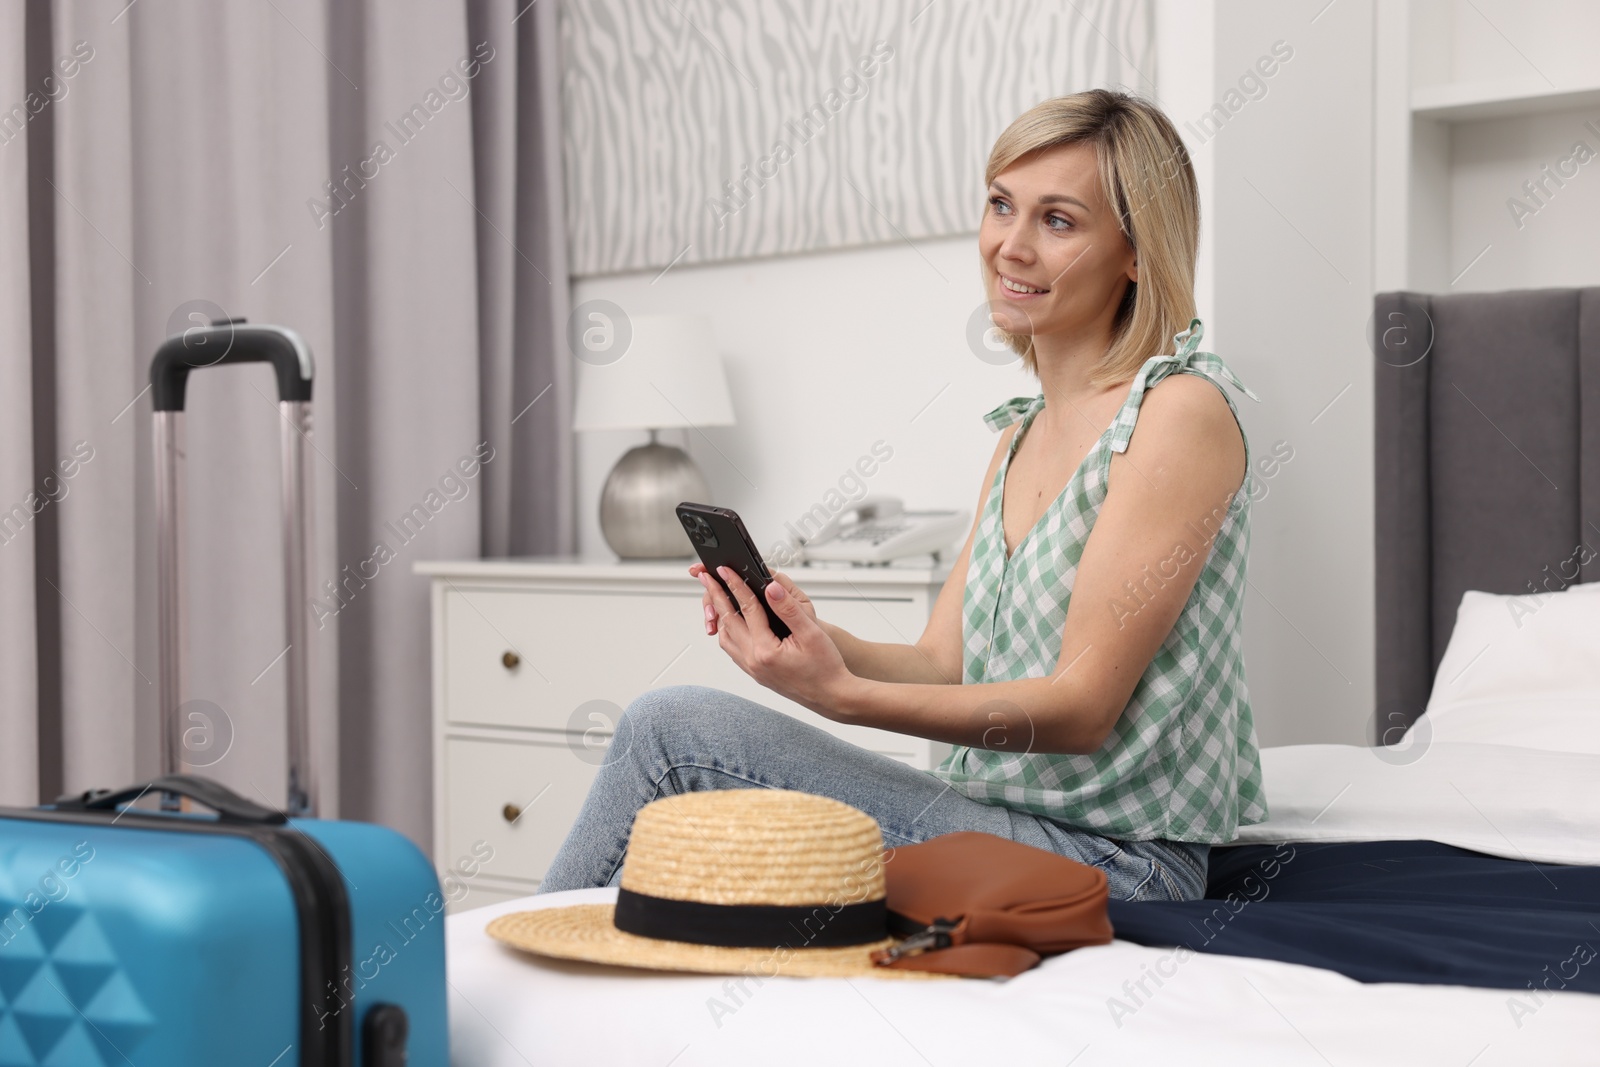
x,y
878,529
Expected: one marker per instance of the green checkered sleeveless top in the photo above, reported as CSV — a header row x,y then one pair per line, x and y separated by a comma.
x,y
1181,763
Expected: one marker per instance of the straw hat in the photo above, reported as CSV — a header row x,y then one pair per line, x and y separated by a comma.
x,y
738,881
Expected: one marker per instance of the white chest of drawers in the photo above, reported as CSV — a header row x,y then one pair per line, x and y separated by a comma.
x,y
535,659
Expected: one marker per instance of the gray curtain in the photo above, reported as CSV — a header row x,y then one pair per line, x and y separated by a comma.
x,y
383,177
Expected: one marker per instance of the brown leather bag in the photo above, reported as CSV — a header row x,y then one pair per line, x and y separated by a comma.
x,y
984,906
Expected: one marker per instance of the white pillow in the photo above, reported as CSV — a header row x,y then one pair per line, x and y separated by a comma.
x,y
1520,670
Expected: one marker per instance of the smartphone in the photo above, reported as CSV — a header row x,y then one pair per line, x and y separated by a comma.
x,y
720,539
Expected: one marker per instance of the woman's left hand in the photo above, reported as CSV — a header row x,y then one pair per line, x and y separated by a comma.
x,y
806,666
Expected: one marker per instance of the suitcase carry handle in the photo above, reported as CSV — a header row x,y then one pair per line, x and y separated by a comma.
x,y
225,342
232,341
229,806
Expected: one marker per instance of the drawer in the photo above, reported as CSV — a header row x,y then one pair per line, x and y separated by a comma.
x,y
546,779
575,647
571,648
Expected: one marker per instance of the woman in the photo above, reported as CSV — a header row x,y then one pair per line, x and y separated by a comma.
x,y
1084,656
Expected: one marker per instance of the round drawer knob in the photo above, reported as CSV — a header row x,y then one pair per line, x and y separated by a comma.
x,y
511,811
510,659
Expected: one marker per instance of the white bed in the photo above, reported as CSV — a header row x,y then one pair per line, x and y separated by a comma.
x,y
1505,761
1083,1008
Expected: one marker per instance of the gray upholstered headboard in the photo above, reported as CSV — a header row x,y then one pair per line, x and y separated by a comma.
x,y
1487,465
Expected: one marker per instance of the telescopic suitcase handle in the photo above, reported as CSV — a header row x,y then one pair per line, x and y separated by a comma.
x,y
225,342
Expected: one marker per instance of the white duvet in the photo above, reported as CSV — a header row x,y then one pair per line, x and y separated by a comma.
x,y
1521,803
1119,1004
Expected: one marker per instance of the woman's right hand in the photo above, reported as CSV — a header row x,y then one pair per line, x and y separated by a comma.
x,y
696,569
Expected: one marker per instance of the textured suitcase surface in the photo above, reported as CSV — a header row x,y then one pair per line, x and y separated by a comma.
x,y
191,939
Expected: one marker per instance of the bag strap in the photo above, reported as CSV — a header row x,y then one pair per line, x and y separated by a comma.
x,y
972,960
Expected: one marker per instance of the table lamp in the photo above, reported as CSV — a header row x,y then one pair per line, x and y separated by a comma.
x,y
669,376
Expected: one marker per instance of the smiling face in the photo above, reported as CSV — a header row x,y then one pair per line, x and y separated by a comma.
x,y
1048,228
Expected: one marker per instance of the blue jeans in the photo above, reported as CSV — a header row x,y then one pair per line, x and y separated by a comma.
x,y
686,738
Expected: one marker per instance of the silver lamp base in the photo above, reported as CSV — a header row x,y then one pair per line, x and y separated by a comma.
x,y
637,515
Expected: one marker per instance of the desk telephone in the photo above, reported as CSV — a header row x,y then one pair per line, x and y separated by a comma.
x,y
878,529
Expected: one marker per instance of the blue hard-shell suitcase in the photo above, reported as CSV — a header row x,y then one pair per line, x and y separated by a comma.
x,y
218,931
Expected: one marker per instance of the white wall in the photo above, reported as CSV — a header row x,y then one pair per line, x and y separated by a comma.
x,y
1504,40
830,352
1293,223
826,354
1185,84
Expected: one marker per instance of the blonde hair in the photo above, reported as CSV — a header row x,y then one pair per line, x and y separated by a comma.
x,y
1146,175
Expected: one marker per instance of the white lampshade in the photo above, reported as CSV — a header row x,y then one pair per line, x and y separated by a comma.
x,y
669,375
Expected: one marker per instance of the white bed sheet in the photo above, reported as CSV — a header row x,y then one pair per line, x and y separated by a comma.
x,y
509,1009
1505,800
